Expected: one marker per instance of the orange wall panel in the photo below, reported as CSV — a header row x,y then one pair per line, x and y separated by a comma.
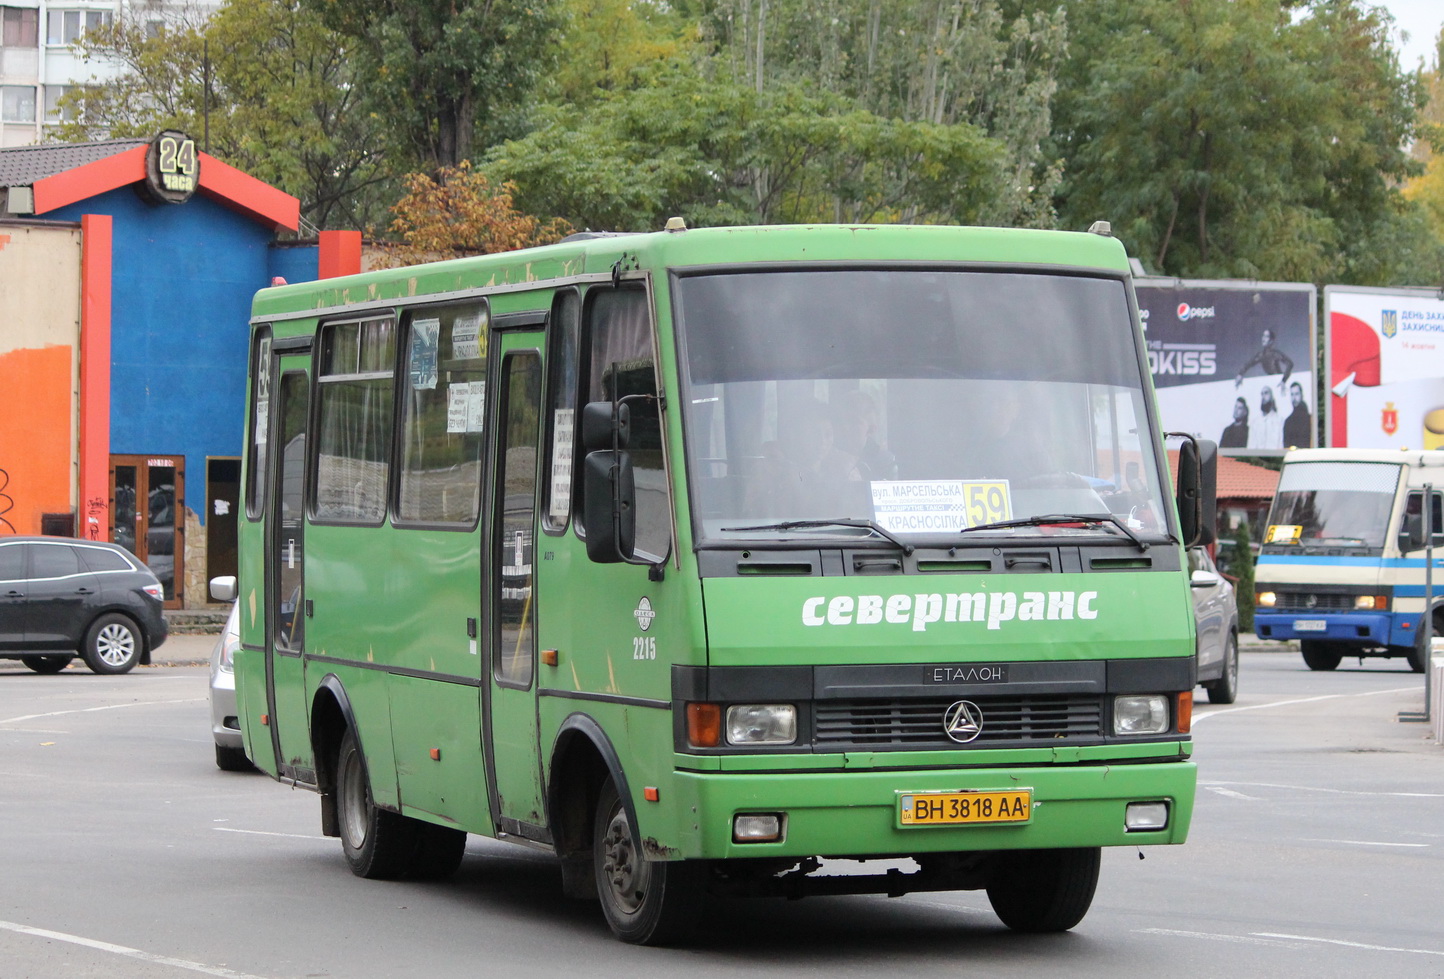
x,y
36,450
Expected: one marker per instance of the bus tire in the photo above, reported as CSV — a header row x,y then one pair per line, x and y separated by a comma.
x,y
646,902
1224,690
378,844
1415,655
1039,891
49,663
1319,655
113,645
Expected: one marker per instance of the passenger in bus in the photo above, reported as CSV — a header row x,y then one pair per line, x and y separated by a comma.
x,y
857,431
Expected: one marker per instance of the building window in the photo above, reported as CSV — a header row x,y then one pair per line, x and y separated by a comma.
x,y
17,103
53,111
19,27
68,26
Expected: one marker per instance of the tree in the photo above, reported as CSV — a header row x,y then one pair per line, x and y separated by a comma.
x,y
935,61
459,212
1427,189
1233,138
721,153
607,41
444,79
281,105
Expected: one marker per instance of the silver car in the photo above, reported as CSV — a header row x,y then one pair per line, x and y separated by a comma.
x,y
225,726
1216,613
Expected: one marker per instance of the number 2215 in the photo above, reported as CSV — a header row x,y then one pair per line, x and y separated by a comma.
x,y
644,647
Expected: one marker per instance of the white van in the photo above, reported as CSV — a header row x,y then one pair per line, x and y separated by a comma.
x,y
1342,567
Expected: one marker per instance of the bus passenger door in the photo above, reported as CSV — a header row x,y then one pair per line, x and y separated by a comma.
x,y
285,594
513,753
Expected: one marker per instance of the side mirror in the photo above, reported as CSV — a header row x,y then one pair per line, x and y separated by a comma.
x,y
609,490
223,588
1198,490
1203,578
1411,534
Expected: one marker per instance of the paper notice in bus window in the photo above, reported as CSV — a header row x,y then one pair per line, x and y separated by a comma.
x,y
1283,533
466,337
563,432
476,407
458,401
425,335
939,506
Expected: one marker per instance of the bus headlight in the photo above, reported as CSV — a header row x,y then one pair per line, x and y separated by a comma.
x,y
1140,714
1372,603
1265,599
761,724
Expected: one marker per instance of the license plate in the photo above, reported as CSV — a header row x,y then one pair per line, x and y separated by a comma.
x,y
959,808
1310,625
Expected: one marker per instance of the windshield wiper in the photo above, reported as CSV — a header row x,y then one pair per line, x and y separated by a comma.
x,y
1047,519
864,523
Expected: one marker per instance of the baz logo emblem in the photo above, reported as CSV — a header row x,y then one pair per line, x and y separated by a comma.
x,y
644,614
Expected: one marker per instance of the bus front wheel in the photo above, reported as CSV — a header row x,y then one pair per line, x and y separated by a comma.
x,y
1319,655
646,902
1044,890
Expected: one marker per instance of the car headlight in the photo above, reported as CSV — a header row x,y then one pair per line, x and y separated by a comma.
x,y
761,724
1140,714
1265,599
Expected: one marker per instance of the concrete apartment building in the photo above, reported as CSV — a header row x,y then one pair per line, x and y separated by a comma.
x,y
38,63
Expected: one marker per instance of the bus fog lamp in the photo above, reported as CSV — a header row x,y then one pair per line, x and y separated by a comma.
x,y
757,827
761,724
1141,816
1265,599
1140,714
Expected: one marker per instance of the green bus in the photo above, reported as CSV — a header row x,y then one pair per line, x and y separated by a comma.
x,y
713,560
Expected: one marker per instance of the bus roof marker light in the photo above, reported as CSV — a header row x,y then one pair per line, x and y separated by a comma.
x,y
676,224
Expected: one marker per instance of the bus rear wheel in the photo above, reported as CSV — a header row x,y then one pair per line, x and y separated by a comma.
x,y
385,845
646,902
1320,655
1040,891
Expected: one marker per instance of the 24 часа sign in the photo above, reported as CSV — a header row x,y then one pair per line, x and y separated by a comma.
x,y
1233,361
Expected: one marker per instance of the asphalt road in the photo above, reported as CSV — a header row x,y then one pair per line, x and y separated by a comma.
x,y
1317,850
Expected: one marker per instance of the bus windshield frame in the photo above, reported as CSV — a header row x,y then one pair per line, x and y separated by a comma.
x,y
914,403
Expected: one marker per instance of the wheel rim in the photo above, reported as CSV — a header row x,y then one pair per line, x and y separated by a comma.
x,y
115,645
353,801
625,873
1231,665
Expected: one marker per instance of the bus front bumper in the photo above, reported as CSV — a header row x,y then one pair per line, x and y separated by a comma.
x,y
1358,628
857,813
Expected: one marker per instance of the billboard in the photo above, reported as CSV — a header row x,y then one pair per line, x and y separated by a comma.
x,y
1233,361
1385,367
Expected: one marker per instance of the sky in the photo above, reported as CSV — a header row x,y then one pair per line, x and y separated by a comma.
x,y
1422,19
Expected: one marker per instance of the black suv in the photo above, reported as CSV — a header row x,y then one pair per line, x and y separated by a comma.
x,y
59,597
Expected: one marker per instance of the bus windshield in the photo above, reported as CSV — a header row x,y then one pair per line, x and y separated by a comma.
x,y
918,402
1333,504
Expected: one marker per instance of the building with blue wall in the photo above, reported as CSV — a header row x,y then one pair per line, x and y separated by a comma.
x,y
168,262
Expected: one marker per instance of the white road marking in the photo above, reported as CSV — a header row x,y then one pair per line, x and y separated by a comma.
x,y
1302,700
1338,941
87,710
1331,791
1231,794
1212,936
1310,839
261,832
133,953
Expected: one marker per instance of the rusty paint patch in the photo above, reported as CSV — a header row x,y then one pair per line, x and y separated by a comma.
x,y
654,848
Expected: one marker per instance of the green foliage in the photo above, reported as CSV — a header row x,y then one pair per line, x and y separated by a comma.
x,y
720,153
282,102
1237,138
445,79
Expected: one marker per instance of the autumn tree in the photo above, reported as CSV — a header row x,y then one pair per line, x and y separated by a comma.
x,y
281,104
445,80
1427,189
460,212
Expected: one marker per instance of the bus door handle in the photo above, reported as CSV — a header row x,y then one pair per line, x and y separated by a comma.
x,y
310,608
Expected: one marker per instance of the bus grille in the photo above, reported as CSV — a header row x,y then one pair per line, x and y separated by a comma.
x,y
1303,601
919,723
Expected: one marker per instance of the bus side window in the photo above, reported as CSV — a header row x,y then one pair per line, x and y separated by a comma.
x,y
619,363
260,423
1415,508
560,466
354,407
